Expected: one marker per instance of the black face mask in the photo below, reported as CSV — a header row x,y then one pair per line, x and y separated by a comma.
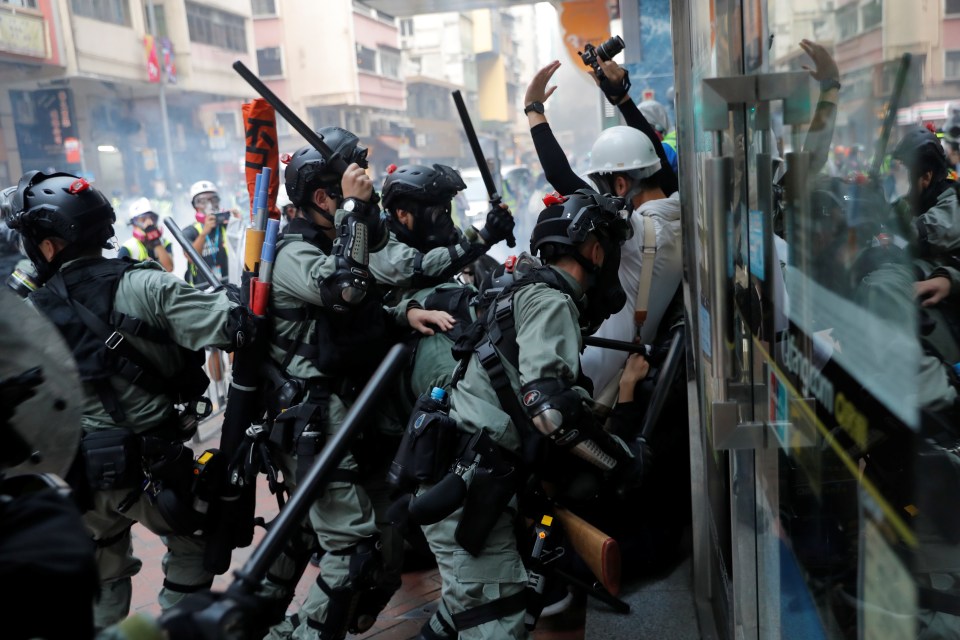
x,y
432,227
605,295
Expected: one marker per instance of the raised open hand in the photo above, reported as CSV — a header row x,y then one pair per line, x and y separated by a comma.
x,y
825,67
537,90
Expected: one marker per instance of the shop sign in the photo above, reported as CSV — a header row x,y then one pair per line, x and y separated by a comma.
x,y
23,33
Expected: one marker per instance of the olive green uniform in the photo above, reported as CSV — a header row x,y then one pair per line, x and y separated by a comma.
x,y
343,514
402,269
401,266
549,340
939,226
193,319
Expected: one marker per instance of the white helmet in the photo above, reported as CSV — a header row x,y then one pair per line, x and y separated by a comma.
x,y
656,114
203,186
139,207
626,150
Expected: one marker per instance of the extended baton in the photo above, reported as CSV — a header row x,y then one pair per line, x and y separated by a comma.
x,y
891,116
478,156
616,345
314,139
249,576
194,255
671,364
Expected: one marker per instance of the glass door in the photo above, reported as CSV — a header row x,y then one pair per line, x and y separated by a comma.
x,y
826,437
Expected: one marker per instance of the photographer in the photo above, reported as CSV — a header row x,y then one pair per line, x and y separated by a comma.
x,y
628,162
209,233
147,242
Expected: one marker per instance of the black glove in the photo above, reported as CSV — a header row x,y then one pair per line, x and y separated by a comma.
x,y
499,226
630,474
246,327
615,91
232,291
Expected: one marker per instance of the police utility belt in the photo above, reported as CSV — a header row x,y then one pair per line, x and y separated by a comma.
x,y
297,414
464,469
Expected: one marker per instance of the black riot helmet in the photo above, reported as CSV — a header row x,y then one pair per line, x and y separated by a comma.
x,y
59,205
920,150
565,224
425,192
307,171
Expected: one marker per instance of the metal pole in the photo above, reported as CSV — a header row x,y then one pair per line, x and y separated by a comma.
x,y
168,153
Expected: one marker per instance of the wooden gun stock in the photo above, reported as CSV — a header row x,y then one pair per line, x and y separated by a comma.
x,y
598,550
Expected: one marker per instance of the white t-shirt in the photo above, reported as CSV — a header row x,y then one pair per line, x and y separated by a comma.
x,y
601,365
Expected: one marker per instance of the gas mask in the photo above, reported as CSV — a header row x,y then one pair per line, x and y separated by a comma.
x,y
605,295
432,227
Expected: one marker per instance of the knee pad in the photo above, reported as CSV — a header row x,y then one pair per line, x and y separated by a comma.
x,y
354,606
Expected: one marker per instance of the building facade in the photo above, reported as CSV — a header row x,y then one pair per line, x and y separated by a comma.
x,y
110,66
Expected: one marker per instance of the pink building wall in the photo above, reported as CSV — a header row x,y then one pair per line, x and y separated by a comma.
x,y
376,90
268,32
864,50
951,34
46,7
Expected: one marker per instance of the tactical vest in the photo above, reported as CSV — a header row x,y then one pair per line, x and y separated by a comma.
x,y
79,300
459,301
345,345
494,340
494,336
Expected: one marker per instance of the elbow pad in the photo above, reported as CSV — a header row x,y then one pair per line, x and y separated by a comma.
x,y
558,412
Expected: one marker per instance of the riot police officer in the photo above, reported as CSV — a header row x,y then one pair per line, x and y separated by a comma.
x,y
329,331
425,247
134,331
929,194
519,392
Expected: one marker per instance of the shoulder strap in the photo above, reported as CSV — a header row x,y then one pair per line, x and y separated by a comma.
x,y
500,324
128,363
649,248
491,362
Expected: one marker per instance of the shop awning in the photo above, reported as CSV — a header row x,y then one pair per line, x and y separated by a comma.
x,y
925,112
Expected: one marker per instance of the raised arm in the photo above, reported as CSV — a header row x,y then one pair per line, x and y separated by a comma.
x,y
820,133
615,87
556,169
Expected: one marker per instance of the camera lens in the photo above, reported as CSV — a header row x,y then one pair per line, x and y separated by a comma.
x,y
610,48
